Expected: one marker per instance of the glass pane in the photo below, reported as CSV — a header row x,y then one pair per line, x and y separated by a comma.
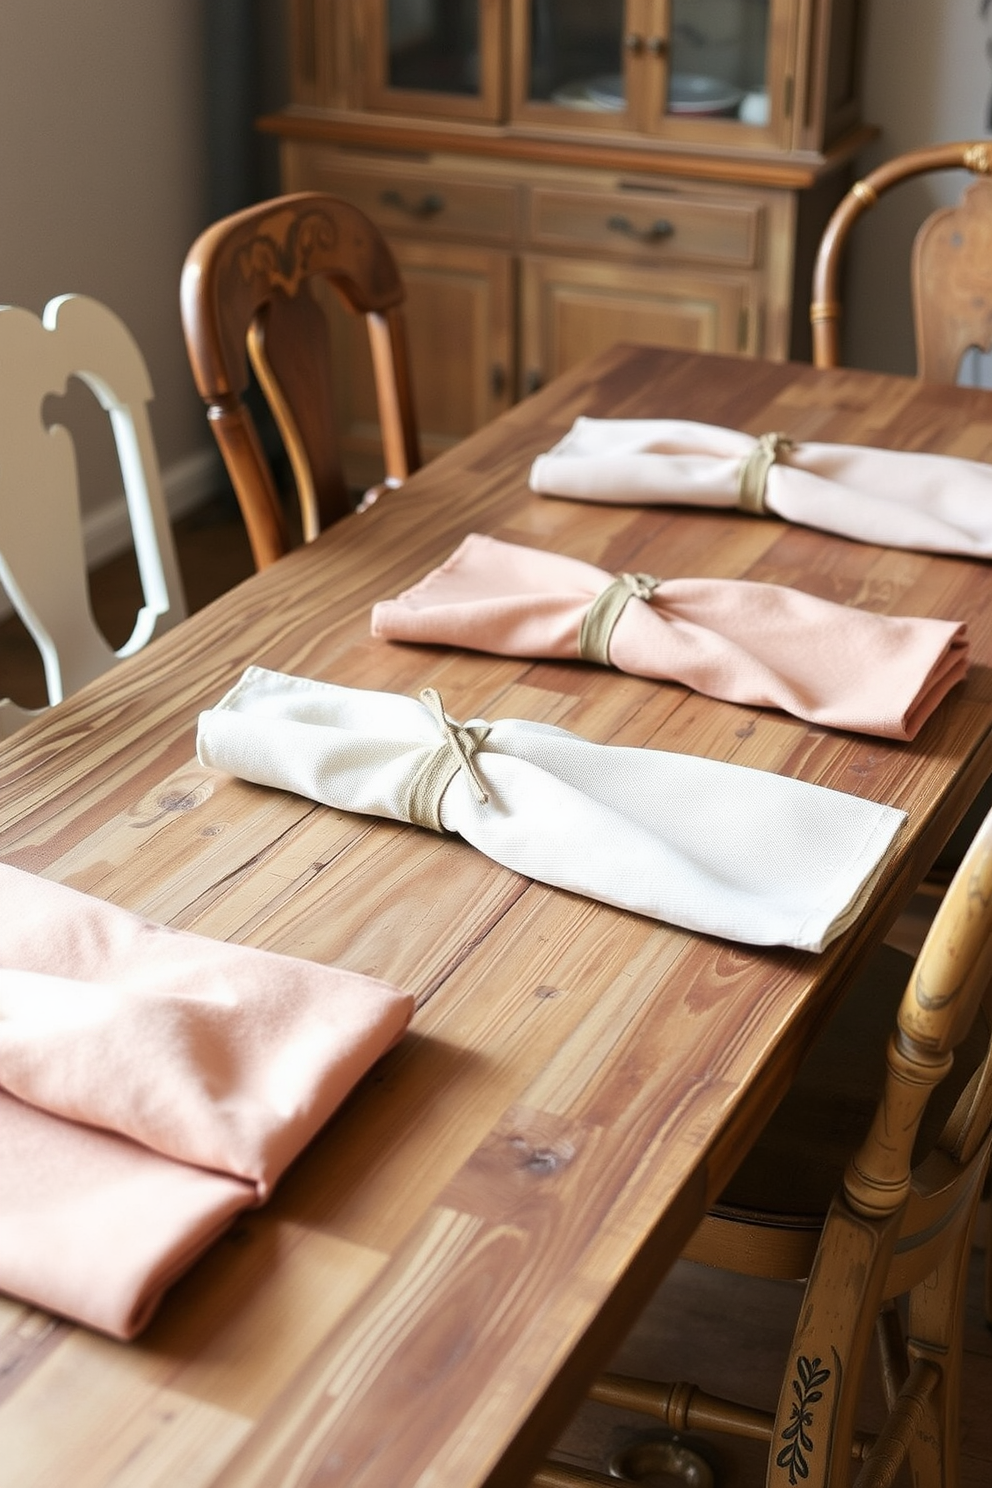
x,y
719,59
433,45
576,54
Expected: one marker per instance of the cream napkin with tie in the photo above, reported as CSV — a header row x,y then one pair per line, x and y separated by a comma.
x,y
894,498
153,1084
713,847
760,644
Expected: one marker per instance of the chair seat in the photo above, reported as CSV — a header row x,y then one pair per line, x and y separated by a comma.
x,y
796,1165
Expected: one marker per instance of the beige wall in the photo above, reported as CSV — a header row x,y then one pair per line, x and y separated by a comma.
x,y
927,79
103,178
102,188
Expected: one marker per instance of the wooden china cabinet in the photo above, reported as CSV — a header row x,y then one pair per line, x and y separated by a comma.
x,y
556,175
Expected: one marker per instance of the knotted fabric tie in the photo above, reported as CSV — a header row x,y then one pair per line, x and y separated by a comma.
x,y
461,743
754,471
606,609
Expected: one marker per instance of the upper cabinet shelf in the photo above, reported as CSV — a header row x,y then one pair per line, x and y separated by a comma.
x,y
754,75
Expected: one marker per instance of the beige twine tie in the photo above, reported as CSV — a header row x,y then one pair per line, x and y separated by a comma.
x,y
461,743
606,609
754,471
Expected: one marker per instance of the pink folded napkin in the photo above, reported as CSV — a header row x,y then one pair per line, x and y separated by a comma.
x,y
758,644
153,1083
895,498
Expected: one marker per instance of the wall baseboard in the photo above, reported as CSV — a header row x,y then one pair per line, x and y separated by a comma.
x,y
187,484
107,530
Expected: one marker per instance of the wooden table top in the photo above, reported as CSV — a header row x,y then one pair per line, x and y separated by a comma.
x,y
431,1286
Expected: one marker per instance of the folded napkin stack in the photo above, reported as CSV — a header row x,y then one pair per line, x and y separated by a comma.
x,y
713,847
895,498
759,644
153,1084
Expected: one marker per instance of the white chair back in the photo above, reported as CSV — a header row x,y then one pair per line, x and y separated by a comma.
x,y
42,558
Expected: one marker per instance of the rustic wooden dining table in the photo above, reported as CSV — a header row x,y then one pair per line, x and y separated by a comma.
x,y
434,1282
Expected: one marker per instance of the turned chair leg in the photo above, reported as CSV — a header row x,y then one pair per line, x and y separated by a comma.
x,y
934,1337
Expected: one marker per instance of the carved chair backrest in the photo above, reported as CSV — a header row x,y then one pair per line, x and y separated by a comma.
x,y
951,272
42,557
246,297
952,284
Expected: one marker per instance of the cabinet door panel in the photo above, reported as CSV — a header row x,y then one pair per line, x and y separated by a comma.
x,y
432,57
459,316
573,308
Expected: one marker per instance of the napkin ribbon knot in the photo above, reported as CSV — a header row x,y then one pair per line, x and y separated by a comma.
x,y
461,742
604,612
754,471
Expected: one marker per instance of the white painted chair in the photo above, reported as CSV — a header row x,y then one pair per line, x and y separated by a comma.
x,y
42,559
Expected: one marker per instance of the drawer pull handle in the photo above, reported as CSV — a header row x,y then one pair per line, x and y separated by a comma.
x,y
427,206
533,380
497,380
657,46
661,228
634,43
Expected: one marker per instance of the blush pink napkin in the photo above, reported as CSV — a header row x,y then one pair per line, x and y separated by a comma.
x,y
896,498
893,497
153,1083
759,644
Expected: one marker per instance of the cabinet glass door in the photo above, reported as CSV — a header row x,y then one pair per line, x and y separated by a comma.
x,y
440,57
696,70
433,45
574,59
718,61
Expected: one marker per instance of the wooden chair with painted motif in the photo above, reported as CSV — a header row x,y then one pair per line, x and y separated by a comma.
x,y
42,557
951,289
248,297
950,267
871,1197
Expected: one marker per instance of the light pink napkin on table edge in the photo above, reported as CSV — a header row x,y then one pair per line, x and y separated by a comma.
x,y
895,498
153,1084
759,644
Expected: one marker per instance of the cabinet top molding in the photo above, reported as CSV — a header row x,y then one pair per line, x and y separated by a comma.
x,y
795,170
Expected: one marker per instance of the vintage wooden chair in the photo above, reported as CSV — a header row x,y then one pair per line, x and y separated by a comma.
x,y
951,266
42,560
951,287
905,1167
246,294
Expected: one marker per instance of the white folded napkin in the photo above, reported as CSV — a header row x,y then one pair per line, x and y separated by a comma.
x,y
895,498
713,847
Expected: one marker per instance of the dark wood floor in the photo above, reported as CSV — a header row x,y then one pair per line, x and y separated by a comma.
x,y
727,1334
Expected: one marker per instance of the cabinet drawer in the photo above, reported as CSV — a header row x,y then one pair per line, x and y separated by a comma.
x,y
648,223
401,200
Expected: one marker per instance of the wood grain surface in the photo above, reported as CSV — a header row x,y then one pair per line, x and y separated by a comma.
x,y
433,1283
